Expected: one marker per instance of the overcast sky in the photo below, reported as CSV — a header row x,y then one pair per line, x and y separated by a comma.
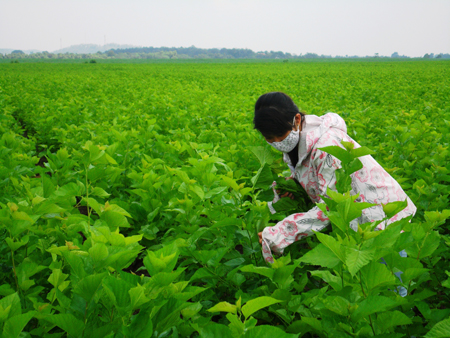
x,y
331,27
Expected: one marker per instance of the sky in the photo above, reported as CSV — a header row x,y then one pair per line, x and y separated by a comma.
x,y
329,27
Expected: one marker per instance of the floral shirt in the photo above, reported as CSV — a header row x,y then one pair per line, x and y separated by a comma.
x,y
315,171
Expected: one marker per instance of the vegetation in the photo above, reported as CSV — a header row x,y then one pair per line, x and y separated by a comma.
x,y
132,195
112,51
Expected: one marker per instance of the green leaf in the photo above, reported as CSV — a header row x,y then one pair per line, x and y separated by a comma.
x,y
257,304
263,154
116,209
213,330
70,190
268,331
114,219
353,166
356,259
264,271
285,204
373,304
57,278
202,273
349,210
223,307
160,261
214,192
22,216
361,151
341,154
15,325
141,326
231,183
137,297
393,208
313,323
117,290
332,244
389,319
68,323
16,245
334,281
263,178
375,275
99,192
191,310
321,255
283,275
425,247
98,252
198,190
88,286
337,304
440,330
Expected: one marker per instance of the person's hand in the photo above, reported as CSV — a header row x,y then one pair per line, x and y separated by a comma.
x,y
260,237
286,194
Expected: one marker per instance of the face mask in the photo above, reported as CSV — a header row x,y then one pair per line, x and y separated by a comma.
x,y
289,143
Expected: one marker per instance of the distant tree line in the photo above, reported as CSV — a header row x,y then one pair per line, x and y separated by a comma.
x,y
192,53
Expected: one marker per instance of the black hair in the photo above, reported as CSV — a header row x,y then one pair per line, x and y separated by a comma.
x,y
274,114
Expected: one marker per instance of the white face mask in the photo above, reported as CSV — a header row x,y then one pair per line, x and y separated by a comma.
x,y
289,143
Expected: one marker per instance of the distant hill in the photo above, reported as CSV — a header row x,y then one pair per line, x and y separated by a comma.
x,y
91,48
8,51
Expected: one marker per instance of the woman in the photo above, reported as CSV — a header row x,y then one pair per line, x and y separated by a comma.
x,y
299,137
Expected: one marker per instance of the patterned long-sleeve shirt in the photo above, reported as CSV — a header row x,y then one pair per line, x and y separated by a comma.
x,y
315,171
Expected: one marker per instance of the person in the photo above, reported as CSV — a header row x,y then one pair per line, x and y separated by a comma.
x,y
299,137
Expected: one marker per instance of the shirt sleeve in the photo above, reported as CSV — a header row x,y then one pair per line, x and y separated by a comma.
x,y
301,225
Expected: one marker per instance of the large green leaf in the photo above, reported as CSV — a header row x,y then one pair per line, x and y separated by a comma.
x,y
333,245
341,154
261,270
117,290
141,326
425,247
214,330
268,331
263,154
223,307
11,305
334,281
390,319
321,255
88,286
257,304
440,330
68,323
337,304
376,275
355,259
14,325
263,178
393,208
373,304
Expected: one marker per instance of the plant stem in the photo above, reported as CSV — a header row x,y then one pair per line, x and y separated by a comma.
x,y
251,245
360,282
371,325
14,269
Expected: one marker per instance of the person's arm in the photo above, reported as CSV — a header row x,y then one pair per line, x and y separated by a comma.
x,y
301,225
